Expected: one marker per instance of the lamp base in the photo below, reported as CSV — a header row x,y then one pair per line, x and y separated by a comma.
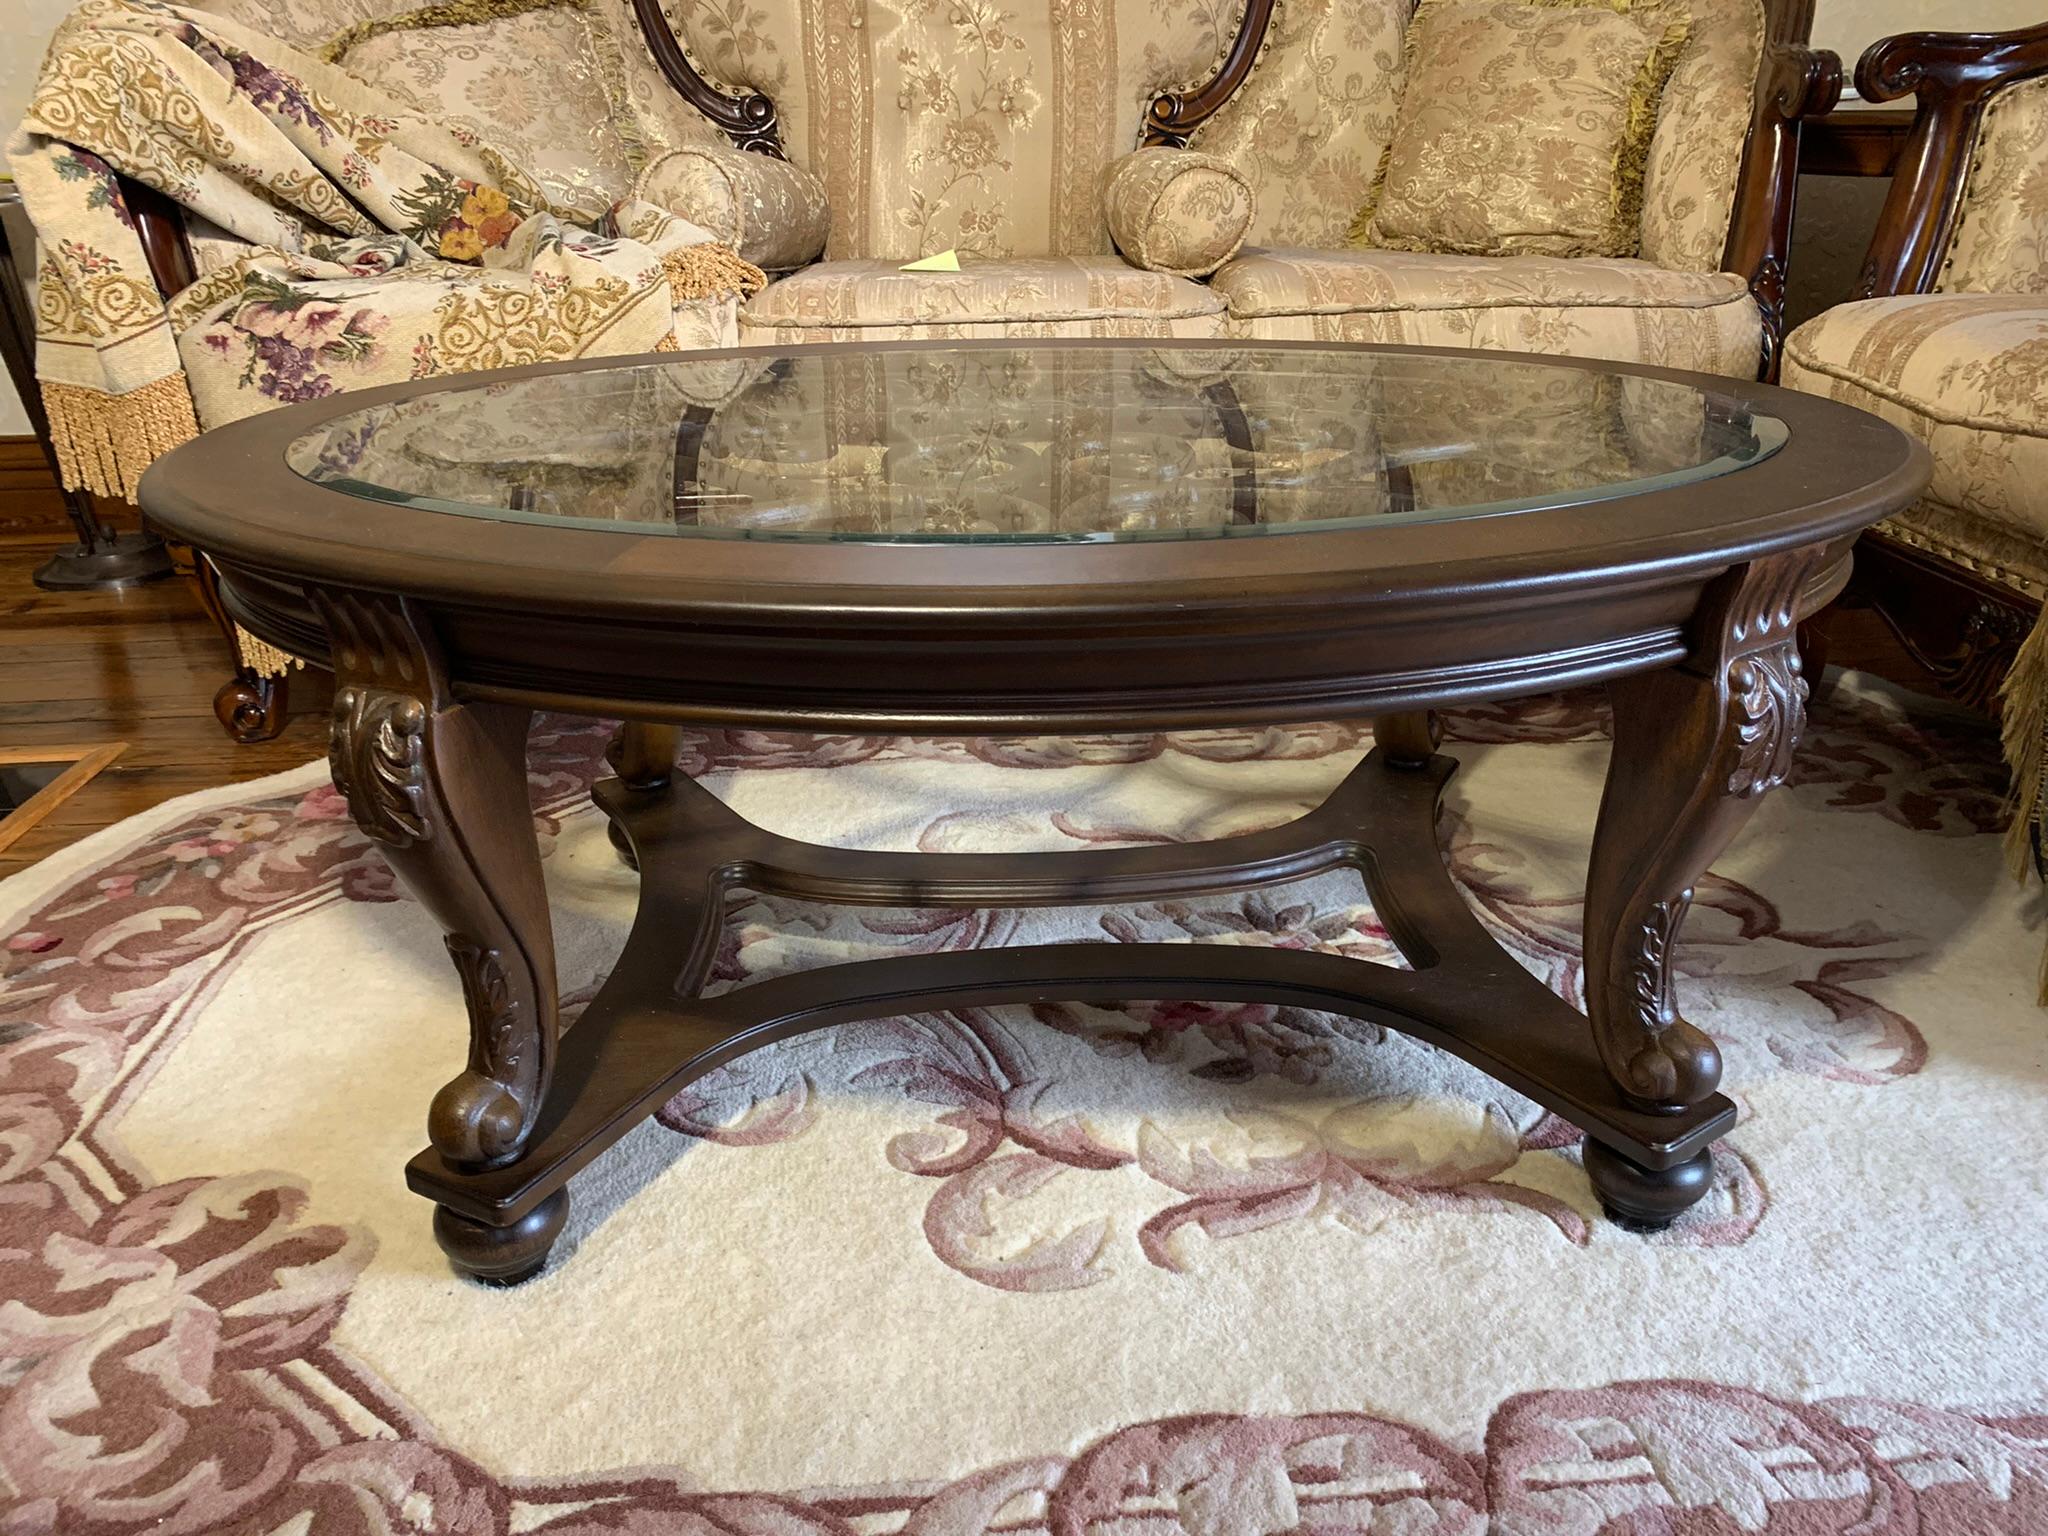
x,y
119,560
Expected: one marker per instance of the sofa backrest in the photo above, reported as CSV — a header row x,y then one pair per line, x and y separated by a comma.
x,y
1308,128
2000,239
1968,206
983,124
980,125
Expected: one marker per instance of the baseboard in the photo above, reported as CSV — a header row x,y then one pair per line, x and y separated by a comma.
x,y
30,502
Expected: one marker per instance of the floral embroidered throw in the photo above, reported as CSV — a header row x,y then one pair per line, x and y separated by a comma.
x,y
369,244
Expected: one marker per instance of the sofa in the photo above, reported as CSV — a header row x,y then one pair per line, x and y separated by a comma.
x,y
1114,168
1948,338
992,131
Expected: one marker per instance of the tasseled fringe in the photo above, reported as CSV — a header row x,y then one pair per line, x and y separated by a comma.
x,y
710,271
104,442
2025,734
263,658
668,343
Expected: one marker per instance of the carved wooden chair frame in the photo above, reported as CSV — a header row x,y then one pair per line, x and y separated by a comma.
x,y
1962,628
1795,83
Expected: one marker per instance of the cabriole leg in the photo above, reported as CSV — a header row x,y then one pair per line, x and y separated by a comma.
x,y
441,787
1695,747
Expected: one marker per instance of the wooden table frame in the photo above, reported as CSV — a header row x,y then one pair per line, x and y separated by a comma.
x,y
1683,602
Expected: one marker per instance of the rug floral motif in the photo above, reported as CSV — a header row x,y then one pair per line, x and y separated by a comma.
x,y
1227,1270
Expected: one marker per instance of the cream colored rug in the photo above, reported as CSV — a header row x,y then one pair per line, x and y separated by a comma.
x,y
1229,1271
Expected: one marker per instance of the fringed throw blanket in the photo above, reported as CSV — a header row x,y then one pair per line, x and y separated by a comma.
x,y
379,245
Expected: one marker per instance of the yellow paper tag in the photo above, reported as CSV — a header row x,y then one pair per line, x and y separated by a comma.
x,y
945,261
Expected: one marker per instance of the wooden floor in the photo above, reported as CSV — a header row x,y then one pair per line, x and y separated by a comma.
x,y
84,669
138,666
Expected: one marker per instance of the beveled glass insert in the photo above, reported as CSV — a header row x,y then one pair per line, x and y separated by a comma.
x,y
988,442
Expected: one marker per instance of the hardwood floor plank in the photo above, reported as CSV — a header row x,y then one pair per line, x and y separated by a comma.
x,y
139,666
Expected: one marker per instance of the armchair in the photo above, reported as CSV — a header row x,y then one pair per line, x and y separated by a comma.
x,y
240,204
1948,337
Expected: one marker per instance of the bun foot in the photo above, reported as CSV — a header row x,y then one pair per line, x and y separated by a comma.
x,y
623,844
502,1256
1645,1199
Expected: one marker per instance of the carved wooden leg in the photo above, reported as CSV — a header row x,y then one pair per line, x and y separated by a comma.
x,y
1695,747
1409,740
441,787
643,755
250,706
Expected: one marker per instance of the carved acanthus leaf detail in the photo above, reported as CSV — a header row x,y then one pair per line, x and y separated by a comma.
x,y
493,1010
1648,962
377,752
1767,697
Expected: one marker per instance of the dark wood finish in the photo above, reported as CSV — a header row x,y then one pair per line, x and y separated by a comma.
x,y
160,225
1951,77
1796,83
139,665
1174,116
715,629
1961,630
649,1032
1682,601
1645,1199
440,785
1695,746
1855,141
250,706
1410,740
749,120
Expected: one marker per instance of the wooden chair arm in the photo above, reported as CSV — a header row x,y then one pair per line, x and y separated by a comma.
x,y
1795,84
1952,77
160,225
749,121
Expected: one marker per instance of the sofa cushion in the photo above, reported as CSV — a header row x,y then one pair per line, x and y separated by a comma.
x,y
1016,294
1965,373
1621,309
1523,128
1175,210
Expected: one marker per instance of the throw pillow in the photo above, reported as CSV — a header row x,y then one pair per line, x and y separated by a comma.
x,y
1524,128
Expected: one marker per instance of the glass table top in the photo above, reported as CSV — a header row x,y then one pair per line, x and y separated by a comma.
x,y
995,442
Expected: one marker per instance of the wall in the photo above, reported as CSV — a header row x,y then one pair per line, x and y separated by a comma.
x,y
1835,217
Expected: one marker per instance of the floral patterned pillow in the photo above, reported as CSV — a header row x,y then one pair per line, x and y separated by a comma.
x,y
1524,128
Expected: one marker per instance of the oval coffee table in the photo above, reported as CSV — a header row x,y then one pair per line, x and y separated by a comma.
x,y
983,538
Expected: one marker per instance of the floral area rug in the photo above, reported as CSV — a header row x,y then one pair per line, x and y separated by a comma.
x,y
1227,1271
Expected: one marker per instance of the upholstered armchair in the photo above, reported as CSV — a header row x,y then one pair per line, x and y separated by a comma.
x,y
1949,339
1091,165
329,194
